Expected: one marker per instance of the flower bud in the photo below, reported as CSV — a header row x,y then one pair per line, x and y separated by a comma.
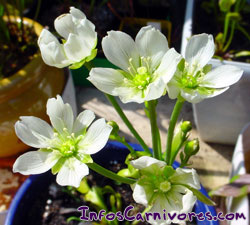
x,y
186,126
192,147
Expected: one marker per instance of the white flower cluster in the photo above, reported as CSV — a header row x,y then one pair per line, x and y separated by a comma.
x,y
148,70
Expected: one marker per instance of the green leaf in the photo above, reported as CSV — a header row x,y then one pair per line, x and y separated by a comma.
x,y
225,5
56,168
200,196
84,187
242,54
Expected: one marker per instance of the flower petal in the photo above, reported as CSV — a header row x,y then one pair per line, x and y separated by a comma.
x,y
155,89
146,161
139,195
76,13
35,162
34,132
83,120
159,205
151,43
64,25
86,33
222,76
106,80
96,137
186,176
76,48
51,50
130,94
71,173
118,48
173,89
192,96
199,50
61,115
168,65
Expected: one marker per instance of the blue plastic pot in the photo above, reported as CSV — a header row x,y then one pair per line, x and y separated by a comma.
x,y
24,198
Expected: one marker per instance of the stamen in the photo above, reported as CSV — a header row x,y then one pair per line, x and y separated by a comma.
x,y
131,66
140,87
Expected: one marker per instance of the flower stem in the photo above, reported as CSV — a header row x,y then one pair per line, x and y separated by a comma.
x,y
156,139
172,123
107,173
126,121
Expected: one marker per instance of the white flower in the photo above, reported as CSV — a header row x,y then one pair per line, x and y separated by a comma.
x,y
79,41
161,187
66,147
194,80
147,65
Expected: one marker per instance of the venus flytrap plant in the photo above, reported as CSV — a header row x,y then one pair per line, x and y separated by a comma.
x,y
148,70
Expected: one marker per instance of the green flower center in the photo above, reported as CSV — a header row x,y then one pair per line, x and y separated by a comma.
x,y
68,148
66,143
165,186
142,78
189,81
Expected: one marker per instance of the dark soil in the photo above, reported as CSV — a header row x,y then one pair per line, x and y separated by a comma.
x,y
18,51
206,21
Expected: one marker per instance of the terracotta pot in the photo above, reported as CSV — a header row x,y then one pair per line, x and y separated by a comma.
x,y
26,93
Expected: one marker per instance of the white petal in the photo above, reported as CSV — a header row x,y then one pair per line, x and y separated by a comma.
x,y
155,89
76,13
173,90
151,43
35,162
168,65
146,161
222,76
34,132
46,37
186,176
188,201
192,96
199,50
61,115
83,120
96,137
72,173
76,49
106,79
130,94
64,25
159,205
86,33
118,48
51,50
139,195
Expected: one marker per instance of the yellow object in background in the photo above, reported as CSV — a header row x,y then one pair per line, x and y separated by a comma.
x,y
25,94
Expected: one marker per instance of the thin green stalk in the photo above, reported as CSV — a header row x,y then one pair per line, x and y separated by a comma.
x,y
156,139
230,37
39,2
132,151
226,26
127,122
172,123
107,173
